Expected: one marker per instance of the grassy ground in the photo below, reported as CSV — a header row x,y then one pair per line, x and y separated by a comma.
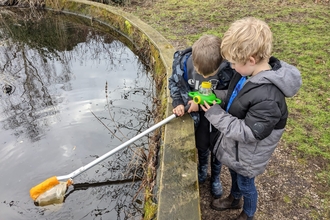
x,y
297,182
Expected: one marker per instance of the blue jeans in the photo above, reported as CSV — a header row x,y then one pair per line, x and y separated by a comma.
x,y
244,186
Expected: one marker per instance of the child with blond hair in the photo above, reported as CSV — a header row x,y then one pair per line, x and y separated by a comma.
x,y
254,113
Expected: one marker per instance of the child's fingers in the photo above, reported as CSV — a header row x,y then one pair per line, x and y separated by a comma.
x,y
204,108
179,110
206,105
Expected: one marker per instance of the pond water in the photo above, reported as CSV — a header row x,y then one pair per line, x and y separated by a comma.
x,y
70,93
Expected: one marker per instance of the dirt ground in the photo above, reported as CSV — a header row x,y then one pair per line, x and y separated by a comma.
x,y
287,190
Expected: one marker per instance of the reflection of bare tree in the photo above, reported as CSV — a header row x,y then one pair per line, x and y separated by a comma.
x,y
30,50
137,154
33,77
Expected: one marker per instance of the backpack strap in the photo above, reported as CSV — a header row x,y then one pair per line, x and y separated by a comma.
x,y
180,62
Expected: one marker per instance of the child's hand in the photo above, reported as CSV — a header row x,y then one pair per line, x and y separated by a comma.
x,y
206,106
179,110
193,106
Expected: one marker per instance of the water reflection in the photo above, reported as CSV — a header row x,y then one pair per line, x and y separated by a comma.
x,y
70,93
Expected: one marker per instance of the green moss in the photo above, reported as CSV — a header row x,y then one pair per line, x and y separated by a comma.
x,y
128,27
150,208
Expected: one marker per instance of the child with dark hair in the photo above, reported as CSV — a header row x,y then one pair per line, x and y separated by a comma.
x,y
203,62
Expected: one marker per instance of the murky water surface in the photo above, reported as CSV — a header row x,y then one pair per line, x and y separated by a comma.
x,y
55,117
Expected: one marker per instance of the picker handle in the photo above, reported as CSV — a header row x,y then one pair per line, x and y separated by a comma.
x,y
103,157
37,190
186,108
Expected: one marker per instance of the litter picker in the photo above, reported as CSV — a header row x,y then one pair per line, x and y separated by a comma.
x,y
52,190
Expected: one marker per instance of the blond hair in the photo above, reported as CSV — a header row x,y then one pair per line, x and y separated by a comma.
x,y
245,38
206,54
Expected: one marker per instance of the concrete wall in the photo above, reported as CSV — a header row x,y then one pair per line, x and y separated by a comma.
x,y
177,193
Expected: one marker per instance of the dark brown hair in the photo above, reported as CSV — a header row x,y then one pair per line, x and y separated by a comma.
x,y
206,54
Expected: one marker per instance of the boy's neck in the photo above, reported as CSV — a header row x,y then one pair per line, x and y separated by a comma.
x,y
261,66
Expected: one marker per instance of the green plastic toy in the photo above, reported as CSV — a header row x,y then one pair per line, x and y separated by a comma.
x,y
204,94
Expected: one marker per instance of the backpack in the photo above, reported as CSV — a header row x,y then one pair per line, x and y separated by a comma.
x,y
179,65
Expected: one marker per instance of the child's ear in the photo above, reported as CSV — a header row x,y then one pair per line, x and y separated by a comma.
x,y
252,60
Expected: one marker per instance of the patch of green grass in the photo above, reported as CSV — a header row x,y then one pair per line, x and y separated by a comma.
x,y
305,45
300,37
287,199
305,202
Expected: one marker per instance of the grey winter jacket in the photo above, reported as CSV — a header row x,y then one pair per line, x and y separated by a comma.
x,y
254,124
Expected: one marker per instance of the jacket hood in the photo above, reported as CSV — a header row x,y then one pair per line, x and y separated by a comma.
x,y
283,75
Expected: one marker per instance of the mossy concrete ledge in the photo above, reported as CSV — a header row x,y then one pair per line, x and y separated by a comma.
x,y
177,193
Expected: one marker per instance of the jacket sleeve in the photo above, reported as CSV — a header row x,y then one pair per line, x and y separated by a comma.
x,y
178,85
262,118
257,125
174,87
